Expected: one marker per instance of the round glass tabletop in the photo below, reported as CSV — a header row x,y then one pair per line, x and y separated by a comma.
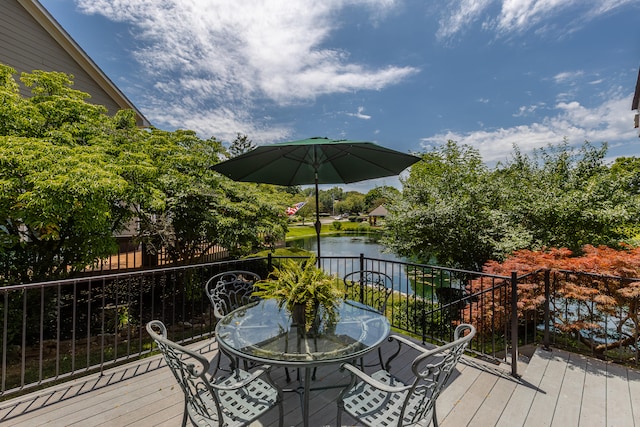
x,y
263,332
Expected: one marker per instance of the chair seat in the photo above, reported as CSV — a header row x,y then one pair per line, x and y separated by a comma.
x,y
374,407
239,406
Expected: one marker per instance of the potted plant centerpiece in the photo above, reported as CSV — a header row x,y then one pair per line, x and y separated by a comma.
x,y
310,294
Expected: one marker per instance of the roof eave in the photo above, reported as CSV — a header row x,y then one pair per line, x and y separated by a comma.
x,y
49,23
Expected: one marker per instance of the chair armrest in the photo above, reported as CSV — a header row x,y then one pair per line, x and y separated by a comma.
x,y
253,375
372,381
411,344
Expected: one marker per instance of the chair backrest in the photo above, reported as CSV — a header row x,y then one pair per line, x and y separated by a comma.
x,y
432,370
190,370
230,290
369,287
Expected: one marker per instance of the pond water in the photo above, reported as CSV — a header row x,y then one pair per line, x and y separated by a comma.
x,y
346,245
352,245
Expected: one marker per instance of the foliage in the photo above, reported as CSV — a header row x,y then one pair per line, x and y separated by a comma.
x,y
242,144
447,210
72,177
353,202
596,296
68,173
200,206
303,283
407,314
380,196
455,209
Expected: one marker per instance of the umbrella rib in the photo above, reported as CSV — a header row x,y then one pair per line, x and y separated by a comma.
x,y
343,153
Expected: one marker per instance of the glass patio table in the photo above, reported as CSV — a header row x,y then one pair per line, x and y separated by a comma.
x,y
264,333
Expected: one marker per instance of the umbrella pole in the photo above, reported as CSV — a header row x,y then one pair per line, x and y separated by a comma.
x,y
318,224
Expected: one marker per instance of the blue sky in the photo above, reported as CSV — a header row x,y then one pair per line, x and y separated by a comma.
x,y
406,74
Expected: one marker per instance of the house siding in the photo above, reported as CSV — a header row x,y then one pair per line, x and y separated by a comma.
x,y
26,46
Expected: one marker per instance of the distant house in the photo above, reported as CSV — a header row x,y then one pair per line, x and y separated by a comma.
x,y
31,39
635,103
379,212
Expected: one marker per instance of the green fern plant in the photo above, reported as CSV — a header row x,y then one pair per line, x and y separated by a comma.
x,y
303,283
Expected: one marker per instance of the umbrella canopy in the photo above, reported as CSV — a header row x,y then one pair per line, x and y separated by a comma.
x,y
315,161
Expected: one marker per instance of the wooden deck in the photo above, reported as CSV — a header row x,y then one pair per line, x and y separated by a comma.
x,y
556,389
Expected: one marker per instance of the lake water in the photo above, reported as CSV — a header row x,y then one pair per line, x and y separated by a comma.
x,y
350,245
346,245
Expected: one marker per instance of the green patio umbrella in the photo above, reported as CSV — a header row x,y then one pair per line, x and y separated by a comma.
x,y
315,161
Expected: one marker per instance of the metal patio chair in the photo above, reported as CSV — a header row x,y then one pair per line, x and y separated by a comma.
x,y
228,291
373,289
234,401
381,399
369,287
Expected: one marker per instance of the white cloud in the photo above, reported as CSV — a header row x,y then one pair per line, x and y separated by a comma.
x,y
360,114
567,76
609,122
462,14
224,57
527,110
519,16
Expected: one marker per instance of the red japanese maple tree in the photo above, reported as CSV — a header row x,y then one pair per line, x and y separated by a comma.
x,y
595,296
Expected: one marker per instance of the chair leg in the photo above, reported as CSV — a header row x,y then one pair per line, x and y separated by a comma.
x,y
435,417
380,358
184,415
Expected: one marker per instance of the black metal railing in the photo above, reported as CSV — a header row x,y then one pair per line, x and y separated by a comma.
x,y
52,331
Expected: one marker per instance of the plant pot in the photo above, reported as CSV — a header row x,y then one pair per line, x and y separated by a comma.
x,y
299,318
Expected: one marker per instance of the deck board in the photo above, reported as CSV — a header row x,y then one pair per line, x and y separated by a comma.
x,y
567,411
517,407
545,399
593,411
556,388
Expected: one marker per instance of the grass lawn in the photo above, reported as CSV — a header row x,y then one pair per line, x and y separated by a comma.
x,y
297,231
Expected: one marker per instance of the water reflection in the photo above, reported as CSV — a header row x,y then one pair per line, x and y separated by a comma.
x,y
352,245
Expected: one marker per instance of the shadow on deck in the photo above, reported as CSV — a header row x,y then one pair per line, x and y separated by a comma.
x,y
557,388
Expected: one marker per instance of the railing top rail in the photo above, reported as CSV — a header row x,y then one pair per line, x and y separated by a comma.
x,y
410,264
135,273
582,273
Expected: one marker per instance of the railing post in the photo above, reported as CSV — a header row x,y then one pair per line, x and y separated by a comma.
x,y
547,293
269,262
514,323
361,283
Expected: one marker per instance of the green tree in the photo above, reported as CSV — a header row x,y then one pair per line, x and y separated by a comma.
x,y
200,208
448,210
73,176
242,144
455,209
65,172
353,203
567,198
380,196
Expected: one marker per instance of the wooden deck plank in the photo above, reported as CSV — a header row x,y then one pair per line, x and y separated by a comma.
x,y
567,411
491,409
593,410
472,400
544,402
618,400
480,395
517,407
634,394
454,392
